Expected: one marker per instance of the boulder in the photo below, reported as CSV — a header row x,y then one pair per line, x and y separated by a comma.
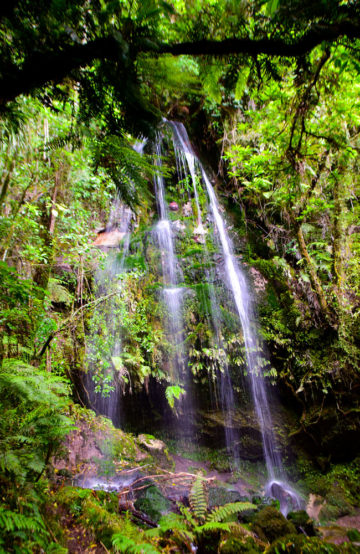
x,y
157,449
269,524
173,206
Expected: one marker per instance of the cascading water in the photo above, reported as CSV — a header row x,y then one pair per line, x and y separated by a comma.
x,y
173,299
186,158
277,485
107,399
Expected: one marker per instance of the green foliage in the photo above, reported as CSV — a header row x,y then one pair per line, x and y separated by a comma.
x,y
33,405
128,169
197,523
225,512
299,544
198,498
12,521
34,422
172,393
129,546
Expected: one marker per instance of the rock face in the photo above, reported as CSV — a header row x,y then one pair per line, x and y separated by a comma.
x,y
211,426
109,239
94,444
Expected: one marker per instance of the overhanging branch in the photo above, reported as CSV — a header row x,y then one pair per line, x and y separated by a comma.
x,y
269,46
45,67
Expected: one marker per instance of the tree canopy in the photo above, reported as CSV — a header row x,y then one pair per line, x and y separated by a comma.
x,y
99,44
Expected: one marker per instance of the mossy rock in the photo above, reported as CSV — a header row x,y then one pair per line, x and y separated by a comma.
x,y
218,496
233,544
153,503
269,524
300,544
157,449
303,523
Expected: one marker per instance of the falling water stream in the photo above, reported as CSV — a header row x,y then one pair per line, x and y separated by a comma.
x,y
115,241
277,485
186,159
173,299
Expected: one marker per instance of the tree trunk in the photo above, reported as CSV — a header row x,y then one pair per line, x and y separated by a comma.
x,y
42,272
315,281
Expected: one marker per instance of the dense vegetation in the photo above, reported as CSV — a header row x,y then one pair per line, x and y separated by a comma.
x,y
269,91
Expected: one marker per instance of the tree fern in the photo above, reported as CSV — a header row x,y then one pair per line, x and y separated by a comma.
x,y
198,498
224,512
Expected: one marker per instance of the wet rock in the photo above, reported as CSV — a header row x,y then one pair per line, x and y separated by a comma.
x,y
259,281
157,449
109,239
218,496
288,498
212,424
269,524
199,234
178,226
173,206
94,444
187,209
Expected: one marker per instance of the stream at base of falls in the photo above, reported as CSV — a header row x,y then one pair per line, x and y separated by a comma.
x,y
224,284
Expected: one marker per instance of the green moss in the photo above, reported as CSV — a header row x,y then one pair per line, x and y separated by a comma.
x,y
299,544
243,546
153,503
96,511
303,523
269,524
340,487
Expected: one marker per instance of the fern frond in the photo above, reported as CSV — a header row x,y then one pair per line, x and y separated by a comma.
x,y
124,544
168,522
198,498
228,510
187,515
13,521
212,526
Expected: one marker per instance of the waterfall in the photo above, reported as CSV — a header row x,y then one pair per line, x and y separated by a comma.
x,y
277,485
103,345
186,159
173,300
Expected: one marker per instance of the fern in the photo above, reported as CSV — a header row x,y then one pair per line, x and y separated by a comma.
x,y
13,521
212,526
228,510
124,544
187,515
198,498
175,525
33,405
173,392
